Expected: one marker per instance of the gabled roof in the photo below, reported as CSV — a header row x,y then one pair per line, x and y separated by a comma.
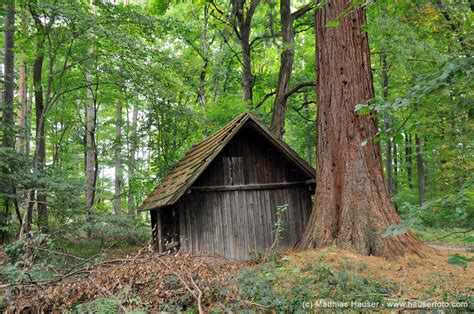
x,y
196,160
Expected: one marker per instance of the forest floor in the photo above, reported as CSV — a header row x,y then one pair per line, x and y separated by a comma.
x,y
288,280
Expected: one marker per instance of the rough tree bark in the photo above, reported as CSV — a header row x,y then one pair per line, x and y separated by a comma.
x,y
286,64
352,207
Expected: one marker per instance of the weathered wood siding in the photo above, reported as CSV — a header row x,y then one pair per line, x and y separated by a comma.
x,y
233,223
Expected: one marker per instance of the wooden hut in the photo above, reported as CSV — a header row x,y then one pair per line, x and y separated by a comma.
x,y
221,198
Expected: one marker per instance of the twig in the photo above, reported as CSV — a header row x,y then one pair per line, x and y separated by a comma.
x,y
450,234
197,297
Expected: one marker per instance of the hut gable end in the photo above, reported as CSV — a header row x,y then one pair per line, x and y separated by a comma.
x,y
249,160
243,152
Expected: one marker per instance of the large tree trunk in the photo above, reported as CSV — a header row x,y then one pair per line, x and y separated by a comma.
x,y
352,207
420,164
132,162
118,159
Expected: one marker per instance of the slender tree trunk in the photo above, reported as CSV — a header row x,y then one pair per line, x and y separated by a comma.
x,y
286,66
271,20
395,167
90,154
8,122
118,159
241,20
247,77
22,93
40,151
91,159
29,101
388,143
28,216
205,49
408,159
22,101
309,147
352,208
388,157
420,169
132,162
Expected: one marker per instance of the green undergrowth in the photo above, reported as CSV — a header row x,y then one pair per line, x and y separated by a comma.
x,y
282,285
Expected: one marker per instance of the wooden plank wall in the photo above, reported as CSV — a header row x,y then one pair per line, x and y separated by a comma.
x,y
233,223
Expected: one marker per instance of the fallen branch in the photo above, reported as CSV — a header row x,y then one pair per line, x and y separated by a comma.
x,y
450,234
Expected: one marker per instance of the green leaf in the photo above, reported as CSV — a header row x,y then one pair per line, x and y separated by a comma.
x,y
459,260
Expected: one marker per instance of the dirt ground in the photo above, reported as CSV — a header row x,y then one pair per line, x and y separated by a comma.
x,y
418,278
